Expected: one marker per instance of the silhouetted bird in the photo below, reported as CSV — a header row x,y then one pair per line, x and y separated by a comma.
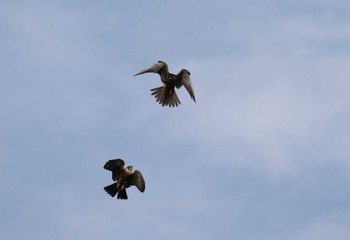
x,y
166,95
123,178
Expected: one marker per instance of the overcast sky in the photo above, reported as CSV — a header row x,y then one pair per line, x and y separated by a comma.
x,y
263,154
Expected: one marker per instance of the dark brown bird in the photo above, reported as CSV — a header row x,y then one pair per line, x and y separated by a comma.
x,y
123,178
166,95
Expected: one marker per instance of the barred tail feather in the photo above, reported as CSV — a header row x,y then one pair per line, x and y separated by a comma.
x,y
122,194
166,96
111,189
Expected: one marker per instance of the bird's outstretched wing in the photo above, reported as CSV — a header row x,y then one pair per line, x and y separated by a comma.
x,y
138,181
155,68
116,166
186,81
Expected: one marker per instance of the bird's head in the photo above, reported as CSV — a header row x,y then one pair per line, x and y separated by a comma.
x,y
129,169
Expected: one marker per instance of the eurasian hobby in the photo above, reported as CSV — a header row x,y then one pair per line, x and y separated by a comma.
x,y
166,95
124,178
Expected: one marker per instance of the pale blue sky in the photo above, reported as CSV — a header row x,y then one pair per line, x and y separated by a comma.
x,y
263,154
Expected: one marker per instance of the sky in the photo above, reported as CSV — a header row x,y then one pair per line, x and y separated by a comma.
x,y
263,154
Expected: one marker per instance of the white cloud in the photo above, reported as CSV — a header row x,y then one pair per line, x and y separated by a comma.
x,y
267,134
273,101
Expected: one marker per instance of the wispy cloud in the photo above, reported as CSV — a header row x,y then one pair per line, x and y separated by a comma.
x,y
263,152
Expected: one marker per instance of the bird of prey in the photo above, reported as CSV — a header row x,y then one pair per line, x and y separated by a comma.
x,y
166,95
124,178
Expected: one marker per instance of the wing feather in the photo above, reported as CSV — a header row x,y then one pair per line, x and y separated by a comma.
x,y
138,181
155,68
116,166
186,81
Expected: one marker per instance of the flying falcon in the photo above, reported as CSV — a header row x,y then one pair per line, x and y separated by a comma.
x,y
123,178
166,95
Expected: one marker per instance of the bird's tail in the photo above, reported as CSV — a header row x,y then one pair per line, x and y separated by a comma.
x,y
112,189
166,96
122,194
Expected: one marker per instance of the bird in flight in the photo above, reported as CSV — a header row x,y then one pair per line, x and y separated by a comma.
x,y
166,95
124,178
